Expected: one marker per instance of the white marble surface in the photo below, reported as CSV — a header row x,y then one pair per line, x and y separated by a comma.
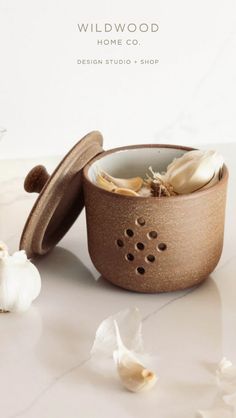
x,y
45,366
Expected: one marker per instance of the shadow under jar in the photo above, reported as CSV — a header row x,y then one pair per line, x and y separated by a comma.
x,y
152,244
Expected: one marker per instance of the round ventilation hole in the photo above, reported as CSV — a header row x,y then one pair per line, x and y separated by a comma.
x,y
129,232
140,270
129,257
150,258
141,221
152,235
120,243
140,246
162,246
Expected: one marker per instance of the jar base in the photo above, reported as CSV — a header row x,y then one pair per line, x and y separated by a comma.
x,y
158,289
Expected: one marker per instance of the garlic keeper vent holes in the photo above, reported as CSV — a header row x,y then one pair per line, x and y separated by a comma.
x,y
136,249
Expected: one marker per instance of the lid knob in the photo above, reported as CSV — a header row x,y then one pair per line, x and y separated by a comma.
x,y
36,179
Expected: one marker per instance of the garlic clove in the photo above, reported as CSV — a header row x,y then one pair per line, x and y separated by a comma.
x,y
213,181
126,192
133,375
134,183
186,157
122,186
105,184
194,170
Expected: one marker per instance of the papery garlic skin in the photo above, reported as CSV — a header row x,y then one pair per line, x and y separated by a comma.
x,y
226,376
20,281
225,403
223,365
129,322
194,170
134,376
220,412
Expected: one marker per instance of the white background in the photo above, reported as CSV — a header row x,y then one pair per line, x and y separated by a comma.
x,y
47,101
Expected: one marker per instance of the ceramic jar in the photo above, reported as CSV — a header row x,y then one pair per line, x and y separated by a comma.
x,y
144,244
152,244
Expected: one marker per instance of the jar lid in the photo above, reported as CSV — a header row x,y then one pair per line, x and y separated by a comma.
x,y
60,199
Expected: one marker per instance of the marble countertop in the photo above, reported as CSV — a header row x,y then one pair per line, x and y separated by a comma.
x,y
45,353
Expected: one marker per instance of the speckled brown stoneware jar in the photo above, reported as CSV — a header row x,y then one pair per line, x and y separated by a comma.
x,y
145,244
152,244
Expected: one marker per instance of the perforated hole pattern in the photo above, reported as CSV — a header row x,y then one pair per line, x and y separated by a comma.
x,y
129,234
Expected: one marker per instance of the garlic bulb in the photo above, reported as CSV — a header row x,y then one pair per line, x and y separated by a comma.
x,y
194,170
134,376
20,281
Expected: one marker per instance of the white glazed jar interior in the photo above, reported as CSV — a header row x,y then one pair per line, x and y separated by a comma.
x,y
134,161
